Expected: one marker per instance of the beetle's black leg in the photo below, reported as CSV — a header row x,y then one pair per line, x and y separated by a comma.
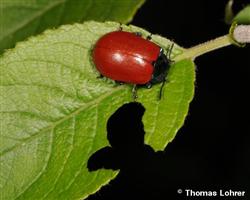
x,y
149,37
134,92
148,85
139,34
162,85
120,27
100,76
119,82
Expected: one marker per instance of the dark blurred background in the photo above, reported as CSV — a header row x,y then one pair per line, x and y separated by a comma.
x,y
212,149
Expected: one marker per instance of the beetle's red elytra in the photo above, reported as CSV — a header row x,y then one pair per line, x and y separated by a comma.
x,y
129,58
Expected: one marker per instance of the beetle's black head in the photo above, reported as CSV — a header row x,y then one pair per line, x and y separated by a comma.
x,y
161,67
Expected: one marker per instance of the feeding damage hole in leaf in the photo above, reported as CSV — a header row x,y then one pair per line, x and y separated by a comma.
x,y
125,133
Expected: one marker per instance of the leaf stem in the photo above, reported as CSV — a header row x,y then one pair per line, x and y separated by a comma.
x,y
239,35
206,47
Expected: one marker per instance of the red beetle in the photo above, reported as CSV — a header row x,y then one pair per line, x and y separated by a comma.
x,y
128,58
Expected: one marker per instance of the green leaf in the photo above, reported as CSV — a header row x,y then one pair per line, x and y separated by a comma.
x,y
22,18
54,112
243,17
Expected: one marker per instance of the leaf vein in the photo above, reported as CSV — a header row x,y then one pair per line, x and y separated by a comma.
x,y
43,169
90,149
64,163
65,118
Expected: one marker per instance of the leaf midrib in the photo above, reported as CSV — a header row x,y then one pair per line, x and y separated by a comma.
x,y
53,125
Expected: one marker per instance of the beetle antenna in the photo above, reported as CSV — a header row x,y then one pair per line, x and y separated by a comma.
x,y
161,89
